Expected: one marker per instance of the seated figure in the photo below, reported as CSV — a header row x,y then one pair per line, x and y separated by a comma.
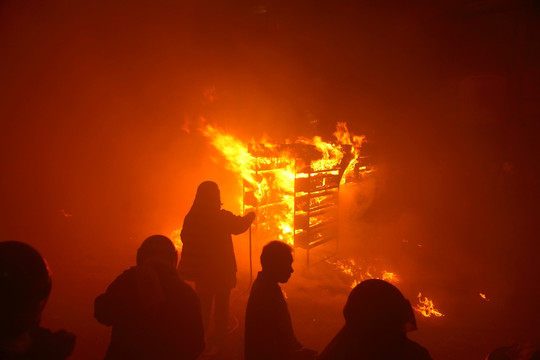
x,y
377,318
153,313
25,285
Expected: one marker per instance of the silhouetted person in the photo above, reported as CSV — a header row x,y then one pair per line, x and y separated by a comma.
x,y
269,332
377,318
516,352
153,313
208,254
25,284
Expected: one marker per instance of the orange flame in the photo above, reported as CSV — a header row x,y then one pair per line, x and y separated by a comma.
x,y
359,274
483,296
426,307
175,238
282,164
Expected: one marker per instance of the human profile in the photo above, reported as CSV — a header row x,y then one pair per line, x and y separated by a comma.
x,y
269,333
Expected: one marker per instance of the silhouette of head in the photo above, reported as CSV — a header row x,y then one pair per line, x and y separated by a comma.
x,y
378,306
208,196
276,261
25,284
159,248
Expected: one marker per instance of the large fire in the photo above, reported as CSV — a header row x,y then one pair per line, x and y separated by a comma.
x,y
274,181
271,173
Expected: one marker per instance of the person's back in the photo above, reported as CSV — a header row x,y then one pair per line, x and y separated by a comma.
x,y
377,320
25,284
153,313
208,258
269,333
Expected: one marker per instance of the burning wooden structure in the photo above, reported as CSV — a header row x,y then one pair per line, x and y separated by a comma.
x,y
309,205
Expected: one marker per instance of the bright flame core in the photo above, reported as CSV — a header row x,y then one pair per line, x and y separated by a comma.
x,y
426,308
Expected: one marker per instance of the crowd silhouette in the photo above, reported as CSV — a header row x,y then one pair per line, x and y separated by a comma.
x,y
155,314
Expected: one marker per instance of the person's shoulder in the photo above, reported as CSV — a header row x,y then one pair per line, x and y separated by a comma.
x,y
185,290
417,351
51,345
127,274
264,290
126,278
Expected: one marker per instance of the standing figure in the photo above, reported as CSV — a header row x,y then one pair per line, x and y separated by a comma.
x,y
25,284
153,313
208,255
377,319
269,332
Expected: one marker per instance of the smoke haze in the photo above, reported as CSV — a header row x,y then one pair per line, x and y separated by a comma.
x,y
100,105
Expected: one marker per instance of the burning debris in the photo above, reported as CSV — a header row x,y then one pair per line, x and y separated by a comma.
x,y
359,273
426,308
293,187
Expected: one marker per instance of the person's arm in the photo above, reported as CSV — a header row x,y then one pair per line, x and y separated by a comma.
x,y
239,224
111,306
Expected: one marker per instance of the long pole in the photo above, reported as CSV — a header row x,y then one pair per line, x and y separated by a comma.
x,y
250,260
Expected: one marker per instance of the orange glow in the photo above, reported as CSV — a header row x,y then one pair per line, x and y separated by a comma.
x,y
426,308
272,177
483,296
359,274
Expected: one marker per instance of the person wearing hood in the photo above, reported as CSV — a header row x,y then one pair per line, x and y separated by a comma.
x,y
25,285
377,319
153,313
208,256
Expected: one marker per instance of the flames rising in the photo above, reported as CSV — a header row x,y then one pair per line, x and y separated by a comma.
x,y
358,273
275,194
426,308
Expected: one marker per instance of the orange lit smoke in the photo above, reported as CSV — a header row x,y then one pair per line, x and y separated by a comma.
x,y
283,166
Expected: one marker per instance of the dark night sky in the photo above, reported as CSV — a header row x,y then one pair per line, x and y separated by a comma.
x,y
94,97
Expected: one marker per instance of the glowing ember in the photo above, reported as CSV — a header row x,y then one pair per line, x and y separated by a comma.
x,y
483,296
426,307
